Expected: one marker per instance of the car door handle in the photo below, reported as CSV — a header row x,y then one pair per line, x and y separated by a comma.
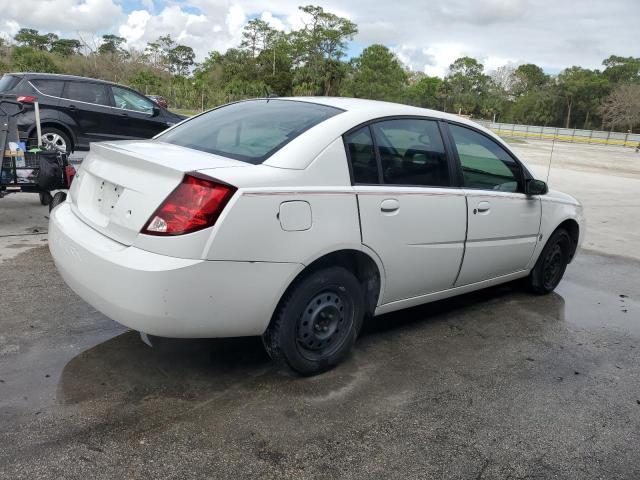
x,y
483,207
72,107
389,205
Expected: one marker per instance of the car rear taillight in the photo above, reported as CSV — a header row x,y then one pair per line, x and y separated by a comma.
x,y
69,173
195,204
26,99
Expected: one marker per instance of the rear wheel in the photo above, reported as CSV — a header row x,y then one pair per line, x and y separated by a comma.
x,y
317,323
54,139
552,263
45,198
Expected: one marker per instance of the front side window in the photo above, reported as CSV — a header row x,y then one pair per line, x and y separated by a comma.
x,y
250,131
485,164
362,156
129,100
95,93
8,83
412,152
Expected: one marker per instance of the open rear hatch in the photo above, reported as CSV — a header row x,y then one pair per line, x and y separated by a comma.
x,y
121,184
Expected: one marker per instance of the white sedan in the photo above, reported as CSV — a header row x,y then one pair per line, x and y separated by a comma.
x,y
298,218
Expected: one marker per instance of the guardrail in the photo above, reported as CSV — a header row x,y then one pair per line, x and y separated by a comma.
x,y
574,135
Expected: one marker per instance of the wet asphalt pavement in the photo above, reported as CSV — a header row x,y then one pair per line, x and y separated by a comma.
x,y
495,384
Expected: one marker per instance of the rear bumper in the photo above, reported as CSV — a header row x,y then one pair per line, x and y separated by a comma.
x,y
161,295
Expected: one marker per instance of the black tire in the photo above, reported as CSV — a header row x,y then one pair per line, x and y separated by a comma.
x,y
317,321
45,198
552,263
57,199
55,139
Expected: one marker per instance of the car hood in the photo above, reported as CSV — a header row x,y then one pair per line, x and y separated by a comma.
x,y
557,196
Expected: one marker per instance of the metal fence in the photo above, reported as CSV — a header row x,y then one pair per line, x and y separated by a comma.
x,y
574,135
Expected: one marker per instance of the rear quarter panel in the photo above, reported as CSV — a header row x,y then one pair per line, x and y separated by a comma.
x,y
250,229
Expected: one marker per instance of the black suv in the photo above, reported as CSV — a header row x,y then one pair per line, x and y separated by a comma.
x,y
77,110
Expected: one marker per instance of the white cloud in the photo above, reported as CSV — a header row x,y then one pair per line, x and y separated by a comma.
x,y
63,15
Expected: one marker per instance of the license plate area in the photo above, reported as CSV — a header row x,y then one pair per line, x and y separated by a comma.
x,y
107,196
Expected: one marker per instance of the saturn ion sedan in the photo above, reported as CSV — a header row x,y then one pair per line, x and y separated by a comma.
x,y
298,218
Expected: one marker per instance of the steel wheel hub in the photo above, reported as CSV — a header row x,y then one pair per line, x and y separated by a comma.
x,y
552,266
322,324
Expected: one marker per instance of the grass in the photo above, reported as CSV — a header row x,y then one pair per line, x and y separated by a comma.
x,y
184,111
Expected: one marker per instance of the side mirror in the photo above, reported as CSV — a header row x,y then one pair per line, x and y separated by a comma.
x,y
536,187
156,111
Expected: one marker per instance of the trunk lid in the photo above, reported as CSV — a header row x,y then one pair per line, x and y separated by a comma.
x,y
121,184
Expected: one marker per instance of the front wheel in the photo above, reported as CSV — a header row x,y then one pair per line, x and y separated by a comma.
x,y
317,322
552,263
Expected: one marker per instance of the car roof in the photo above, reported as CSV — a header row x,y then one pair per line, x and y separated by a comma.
x,y
57,76
378,107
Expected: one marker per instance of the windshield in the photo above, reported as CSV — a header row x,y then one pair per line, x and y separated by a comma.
x,y
7,82
250,131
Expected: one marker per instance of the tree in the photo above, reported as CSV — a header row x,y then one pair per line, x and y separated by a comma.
x,y
318,49
65,47
29,37
581,88
181,58
622,69
112,44
424,91
256,36
377,74
528,77
467,84
622,107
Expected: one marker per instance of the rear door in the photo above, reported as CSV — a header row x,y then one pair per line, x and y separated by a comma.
x,y
88,105
411,213
139,117
503,222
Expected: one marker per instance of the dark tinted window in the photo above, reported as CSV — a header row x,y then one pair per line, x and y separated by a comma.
x,y
49,87
412,152
8,82
362,156
86,92
250,131
485,164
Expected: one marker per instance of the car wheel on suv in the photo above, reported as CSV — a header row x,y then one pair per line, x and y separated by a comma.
x,y
55,139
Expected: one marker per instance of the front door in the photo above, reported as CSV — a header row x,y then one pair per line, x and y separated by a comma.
x,y
410,216
139,117
503,222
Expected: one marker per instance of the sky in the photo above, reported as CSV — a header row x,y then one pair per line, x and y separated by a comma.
x,y
427,35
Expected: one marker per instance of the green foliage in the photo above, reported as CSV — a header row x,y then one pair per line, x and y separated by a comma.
x,y
27,59
311,61
376,74
112,45
466,85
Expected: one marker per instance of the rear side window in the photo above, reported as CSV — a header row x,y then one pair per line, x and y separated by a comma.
x,y
250,131
49,87
485,164
412,152
362,156
8,82
95,93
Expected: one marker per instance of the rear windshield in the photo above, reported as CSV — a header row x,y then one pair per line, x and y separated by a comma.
x,y
250,131
7,82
